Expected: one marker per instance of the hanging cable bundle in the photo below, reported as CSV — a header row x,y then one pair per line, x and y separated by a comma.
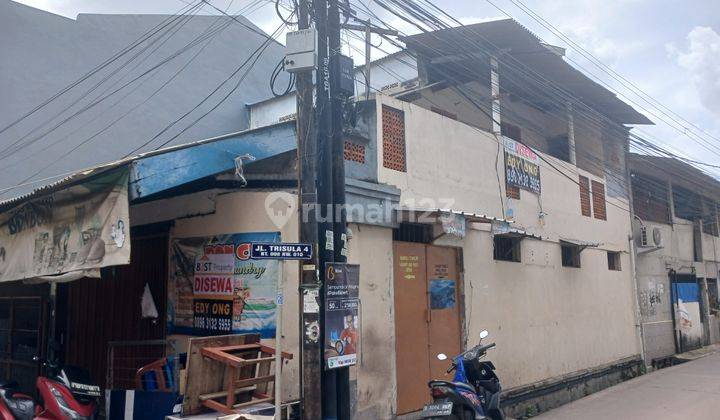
x,y
293,11
273,78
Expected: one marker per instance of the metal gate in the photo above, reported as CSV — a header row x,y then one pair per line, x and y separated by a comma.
x,y
687,310
99,311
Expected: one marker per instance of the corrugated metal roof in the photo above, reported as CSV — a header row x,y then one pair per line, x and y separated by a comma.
x,y
510,38
679,172
60,183
62,180
521,232
578,242
471,217
49,52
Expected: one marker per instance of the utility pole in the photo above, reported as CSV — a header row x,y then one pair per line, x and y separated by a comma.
x,y
325,392
309,293
342,375
326,237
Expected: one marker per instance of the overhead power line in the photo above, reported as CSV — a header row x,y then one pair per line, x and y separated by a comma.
x,y
573,180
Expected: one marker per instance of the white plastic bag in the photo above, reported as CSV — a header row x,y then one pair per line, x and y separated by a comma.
x,y
147,304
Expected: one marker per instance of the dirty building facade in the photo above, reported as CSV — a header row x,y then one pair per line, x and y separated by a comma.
x,y
541,257
477,200
675,229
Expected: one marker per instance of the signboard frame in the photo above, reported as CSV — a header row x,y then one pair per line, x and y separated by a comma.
x,y
522,166
342,315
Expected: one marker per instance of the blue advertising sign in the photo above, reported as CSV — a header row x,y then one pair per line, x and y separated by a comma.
x,y
280,251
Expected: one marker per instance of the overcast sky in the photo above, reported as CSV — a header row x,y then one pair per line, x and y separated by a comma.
x,y
668,48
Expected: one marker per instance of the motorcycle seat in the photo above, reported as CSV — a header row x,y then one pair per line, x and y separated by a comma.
x,y
452,384
22,406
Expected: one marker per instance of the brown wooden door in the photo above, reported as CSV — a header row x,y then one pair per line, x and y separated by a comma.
x,y
444,326
411,327
427,318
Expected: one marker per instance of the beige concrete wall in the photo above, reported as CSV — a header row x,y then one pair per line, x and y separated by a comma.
x,y
369,246
451,164
653,282
536,126
547,320
245,212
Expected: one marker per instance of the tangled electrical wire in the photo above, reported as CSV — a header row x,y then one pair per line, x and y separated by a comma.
x,y
293,12
287,20
273,79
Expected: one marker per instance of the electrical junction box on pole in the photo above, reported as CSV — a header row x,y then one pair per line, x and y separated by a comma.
x,y
301,50
347,76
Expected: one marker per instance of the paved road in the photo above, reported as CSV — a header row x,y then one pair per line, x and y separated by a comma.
x,y
687,391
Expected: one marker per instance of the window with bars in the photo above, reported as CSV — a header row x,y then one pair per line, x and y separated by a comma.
x,y
354,152
506,248
570,255
393,127
650,199
584,196
686,203
413,232
598,200
510,130
613,261
710,217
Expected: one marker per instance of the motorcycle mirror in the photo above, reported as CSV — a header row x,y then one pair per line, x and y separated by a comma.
x,y
484,334
442,356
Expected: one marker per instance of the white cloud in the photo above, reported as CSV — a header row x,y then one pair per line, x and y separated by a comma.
x,y
702,61
607,50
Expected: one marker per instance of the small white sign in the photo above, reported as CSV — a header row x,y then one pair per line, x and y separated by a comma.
x,y
310,305
329,241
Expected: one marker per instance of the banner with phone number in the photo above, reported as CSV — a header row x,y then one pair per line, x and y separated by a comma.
x,y
522,166
217,288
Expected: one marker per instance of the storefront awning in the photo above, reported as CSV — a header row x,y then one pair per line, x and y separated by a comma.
x,y
77,224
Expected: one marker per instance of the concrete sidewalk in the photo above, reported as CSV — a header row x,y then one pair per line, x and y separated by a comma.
x,y
687,391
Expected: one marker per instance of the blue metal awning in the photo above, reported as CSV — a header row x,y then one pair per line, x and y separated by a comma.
x,y
161,170
156,173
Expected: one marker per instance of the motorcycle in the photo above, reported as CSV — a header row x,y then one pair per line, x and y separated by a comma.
x,y
65,394
474,392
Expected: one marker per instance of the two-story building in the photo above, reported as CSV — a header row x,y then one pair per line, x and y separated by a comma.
x,y
488,128
675,227
487,189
